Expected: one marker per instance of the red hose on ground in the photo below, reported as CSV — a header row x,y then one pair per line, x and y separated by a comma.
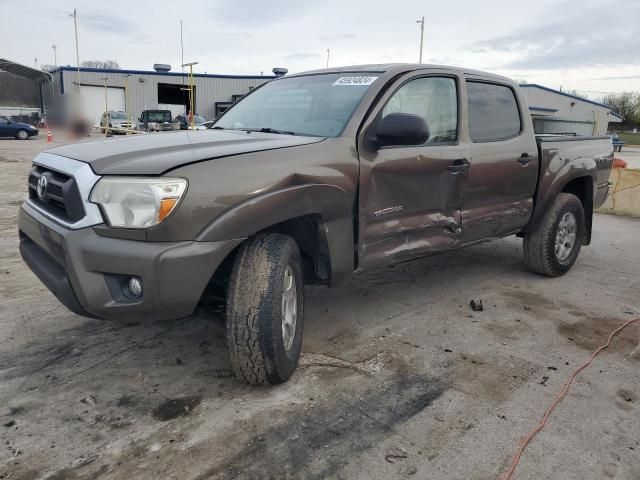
x,y
525,441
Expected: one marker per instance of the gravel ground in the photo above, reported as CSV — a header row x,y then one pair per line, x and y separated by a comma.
x,y
399,377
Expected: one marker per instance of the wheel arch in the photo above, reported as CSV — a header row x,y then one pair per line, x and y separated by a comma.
x,y
318,217
581,183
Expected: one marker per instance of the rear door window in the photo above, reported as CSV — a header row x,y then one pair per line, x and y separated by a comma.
x,y
493,112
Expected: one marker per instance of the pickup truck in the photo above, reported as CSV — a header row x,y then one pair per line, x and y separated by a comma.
x,y
306,180
156,121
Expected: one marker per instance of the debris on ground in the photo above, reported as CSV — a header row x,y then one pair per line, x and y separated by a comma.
x,y
89,400
176,407
395,453
476,305
544,381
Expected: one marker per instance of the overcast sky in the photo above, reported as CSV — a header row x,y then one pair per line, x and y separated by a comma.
x,y
592,46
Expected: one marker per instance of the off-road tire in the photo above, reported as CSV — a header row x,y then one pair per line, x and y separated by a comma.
x,y
22,134
254,310
539,244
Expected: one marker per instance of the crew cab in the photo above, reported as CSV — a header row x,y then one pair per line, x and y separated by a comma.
x,y
307,179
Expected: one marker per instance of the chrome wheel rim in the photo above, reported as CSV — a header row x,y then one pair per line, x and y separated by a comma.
x,y
22,135
289,308
566,236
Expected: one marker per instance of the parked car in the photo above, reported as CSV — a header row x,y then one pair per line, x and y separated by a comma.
x,y
308,179
17,130
116,120
185,122
157,121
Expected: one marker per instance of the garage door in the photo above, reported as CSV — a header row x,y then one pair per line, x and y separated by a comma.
x,y
93,104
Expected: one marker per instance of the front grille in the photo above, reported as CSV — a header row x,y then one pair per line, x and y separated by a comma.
x,y
61,197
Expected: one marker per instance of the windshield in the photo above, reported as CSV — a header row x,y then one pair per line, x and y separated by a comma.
x,y
316,105
118,116
160,116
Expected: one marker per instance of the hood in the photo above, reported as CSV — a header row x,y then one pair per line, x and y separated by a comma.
x,y
155,154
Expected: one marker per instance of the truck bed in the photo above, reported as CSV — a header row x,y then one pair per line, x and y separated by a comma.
x,y
565,157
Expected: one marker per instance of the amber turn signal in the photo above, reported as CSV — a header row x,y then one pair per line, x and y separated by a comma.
x,y
166,207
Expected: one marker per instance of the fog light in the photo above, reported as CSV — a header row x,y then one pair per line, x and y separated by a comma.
x,y
135,286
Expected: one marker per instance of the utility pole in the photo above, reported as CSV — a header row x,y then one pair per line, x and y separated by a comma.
x,y
75,25
181,49
35,60
421,22
328,53
55,55
191,119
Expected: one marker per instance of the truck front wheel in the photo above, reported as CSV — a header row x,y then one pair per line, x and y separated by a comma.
x,y
265,310
553,247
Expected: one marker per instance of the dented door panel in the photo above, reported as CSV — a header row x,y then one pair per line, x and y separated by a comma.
x,y
411,202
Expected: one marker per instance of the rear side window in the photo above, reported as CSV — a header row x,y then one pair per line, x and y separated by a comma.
x,y
493,112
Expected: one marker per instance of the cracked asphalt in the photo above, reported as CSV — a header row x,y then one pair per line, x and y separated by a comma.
x,y
399,377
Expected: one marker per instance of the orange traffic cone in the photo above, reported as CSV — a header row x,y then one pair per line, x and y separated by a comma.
x,y
49,136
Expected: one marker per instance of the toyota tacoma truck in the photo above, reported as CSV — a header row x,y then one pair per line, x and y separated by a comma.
x,y
306,180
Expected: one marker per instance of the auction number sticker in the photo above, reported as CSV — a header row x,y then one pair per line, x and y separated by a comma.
x,y
354,81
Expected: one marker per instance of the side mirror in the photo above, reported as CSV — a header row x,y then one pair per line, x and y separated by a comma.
x,y
402,129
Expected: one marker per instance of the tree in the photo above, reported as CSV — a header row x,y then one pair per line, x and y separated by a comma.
x,y
626,104
102,64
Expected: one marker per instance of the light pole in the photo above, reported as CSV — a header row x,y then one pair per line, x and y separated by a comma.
x,y
55,56
75,25
421,22
127,111
328,53
106,107
191,119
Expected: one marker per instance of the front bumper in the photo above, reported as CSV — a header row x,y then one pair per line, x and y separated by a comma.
x,y
84,270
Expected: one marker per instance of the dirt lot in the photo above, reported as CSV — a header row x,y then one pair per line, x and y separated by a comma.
x,y
399,379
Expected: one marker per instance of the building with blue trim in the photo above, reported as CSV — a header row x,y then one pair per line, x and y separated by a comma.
x,y
136,90
554,111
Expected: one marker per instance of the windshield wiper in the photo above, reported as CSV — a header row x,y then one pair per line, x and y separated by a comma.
x,y
268,130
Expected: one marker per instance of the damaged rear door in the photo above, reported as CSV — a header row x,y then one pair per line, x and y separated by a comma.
x,y
410,196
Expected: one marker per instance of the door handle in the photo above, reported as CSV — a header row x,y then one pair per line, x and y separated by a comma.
x,y
459,165
525,159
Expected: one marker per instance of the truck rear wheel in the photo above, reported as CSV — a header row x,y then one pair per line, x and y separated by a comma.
x,y
553,247
265,310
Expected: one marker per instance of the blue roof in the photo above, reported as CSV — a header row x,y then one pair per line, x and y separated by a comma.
x,y
170,74
525,85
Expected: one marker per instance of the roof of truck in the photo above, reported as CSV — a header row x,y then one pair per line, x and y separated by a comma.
x,y
400,68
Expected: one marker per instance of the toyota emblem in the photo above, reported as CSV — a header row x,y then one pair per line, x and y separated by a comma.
x,y
42,188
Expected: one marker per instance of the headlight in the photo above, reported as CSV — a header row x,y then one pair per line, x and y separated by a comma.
x,y
137,202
